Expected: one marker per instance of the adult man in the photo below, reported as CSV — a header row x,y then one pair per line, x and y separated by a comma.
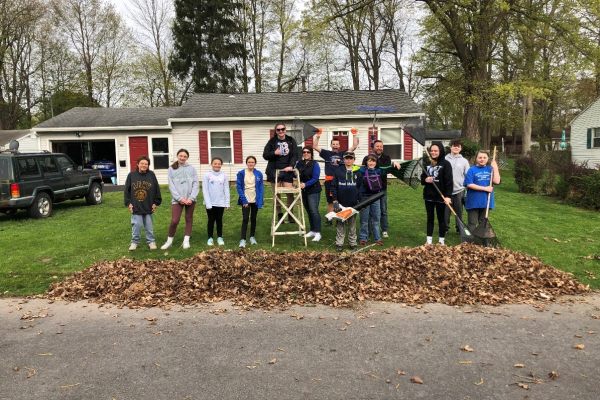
x,y
281,152
333,159
383,160
460,166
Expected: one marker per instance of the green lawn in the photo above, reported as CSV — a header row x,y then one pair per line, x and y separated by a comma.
x,y
38,252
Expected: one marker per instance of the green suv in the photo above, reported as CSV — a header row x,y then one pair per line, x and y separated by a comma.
x,y
35,181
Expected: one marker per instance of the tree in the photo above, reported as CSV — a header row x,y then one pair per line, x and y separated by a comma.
x,y
206,44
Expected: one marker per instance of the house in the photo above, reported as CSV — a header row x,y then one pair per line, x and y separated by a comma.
x,y
230,126
441,136
585,136
28,140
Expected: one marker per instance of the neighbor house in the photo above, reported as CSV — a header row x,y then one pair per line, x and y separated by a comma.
x,y
585,136
28,140
230,126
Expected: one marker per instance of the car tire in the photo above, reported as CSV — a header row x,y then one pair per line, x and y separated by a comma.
x,y
41,207
94,196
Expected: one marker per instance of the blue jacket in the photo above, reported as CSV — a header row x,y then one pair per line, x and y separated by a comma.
x,y
260,187
346,186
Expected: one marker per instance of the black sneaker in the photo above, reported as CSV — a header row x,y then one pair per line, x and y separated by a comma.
x,y
279,217
354,247
339,249
328,223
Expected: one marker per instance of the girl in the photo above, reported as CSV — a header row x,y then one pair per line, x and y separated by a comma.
x,y
478,186
311,190
250,187
184,187
370,215
438,173
215,190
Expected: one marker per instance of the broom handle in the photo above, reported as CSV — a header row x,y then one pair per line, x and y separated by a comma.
x,y
487,208
434,185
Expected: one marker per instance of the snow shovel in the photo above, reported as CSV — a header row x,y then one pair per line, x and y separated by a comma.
x,y
484,233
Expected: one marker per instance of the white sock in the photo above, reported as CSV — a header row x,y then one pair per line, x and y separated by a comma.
x,y
169,240
442,240
429,239
186,239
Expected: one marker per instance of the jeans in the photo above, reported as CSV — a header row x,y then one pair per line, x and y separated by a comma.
x,y
384,213
139,220
369,221
311,202
457,204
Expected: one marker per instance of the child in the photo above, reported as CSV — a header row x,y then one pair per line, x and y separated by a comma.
x,y
438,173
460,166
184,187
311,190
250,188
345,189
478,186
215,190
142,196
370,216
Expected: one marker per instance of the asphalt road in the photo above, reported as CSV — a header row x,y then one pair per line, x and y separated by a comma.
x,y
86,351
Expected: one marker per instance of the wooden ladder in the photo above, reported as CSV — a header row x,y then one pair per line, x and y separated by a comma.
x,y
288,211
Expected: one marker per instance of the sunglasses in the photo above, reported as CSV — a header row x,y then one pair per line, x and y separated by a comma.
x,y
306,152
280,129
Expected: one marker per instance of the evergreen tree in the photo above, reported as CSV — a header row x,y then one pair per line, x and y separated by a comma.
x,y
207,46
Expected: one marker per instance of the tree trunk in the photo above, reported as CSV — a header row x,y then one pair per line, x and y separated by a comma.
x,y
527,118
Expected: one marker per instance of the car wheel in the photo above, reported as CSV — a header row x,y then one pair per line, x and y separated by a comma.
x,y
41,207
94,196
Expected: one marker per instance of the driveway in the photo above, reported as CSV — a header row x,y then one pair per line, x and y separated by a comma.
x,y
57,350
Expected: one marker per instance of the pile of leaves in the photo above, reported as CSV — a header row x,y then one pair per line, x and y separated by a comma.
x,y
463,274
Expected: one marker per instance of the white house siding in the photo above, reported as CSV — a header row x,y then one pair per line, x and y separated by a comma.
x,y
588,118
256,134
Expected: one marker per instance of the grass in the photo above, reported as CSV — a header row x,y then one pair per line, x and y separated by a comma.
x,y
38,252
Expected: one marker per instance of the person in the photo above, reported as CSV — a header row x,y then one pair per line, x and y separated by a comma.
x,y
215,191
370,215
345,189
142,196
250,188
281,154
333,159
460,166
438,173
310,171
478,186
184,186
383,160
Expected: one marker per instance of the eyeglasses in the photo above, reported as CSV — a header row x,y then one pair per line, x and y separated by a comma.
x,y
306,152
280,129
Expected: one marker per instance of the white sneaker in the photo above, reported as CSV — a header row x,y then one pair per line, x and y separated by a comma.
x,y
242,243
210,242
309,234
166,245
220,241
252,240
152,246
384,234
317,237
185,245
132,246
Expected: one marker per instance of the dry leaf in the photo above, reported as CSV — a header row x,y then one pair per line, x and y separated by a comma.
x,y
466,348
519,365
479,383
579,346
552,375
273,361
522,385
465,362
401,373
416,379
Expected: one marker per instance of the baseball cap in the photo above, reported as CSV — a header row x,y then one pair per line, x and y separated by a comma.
x,y
349,154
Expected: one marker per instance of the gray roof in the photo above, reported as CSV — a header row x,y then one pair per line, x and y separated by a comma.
x,y
291,104
442,135
96,117
8,136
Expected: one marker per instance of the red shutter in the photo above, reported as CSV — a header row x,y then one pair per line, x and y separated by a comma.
x,y
203,142
271,133
372,137
238,153
309,142
408,147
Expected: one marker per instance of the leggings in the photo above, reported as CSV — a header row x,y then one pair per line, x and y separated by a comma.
x,y
249,213
439,209
176,211
215,214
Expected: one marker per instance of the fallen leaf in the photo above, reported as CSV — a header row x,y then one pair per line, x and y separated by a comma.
x,y
466,348
273,361
519,365
522,385
70,386
579,346
416,379
465,362
250,366
552,375
401,373
479,383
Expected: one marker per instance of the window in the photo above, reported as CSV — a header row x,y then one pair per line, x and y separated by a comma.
x,y
392,142
220,146
28,167
160,153
5,170
49,165
596,138
66,164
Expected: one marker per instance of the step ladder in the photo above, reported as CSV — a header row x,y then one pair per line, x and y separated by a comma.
x,y
296,205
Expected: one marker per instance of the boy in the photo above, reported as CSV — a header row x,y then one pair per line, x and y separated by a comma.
x,y
345,190
460,166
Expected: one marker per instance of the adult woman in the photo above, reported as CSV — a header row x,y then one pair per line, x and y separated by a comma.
x,y
184,187
438,173
311,190
250,187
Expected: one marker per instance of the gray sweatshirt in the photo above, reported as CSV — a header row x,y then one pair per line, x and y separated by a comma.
x,y
183,183
215,189
460,166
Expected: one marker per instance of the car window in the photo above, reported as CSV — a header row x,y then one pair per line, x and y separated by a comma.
x,y
66,164
5,170
28,167
48,165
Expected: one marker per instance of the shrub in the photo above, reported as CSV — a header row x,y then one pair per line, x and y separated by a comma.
x,y
469,148
527,172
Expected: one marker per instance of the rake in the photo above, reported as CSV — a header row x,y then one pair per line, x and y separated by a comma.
x,y
484,233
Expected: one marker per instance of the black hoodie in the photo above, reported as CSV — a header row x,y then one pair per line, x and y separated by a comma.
x,y
442,177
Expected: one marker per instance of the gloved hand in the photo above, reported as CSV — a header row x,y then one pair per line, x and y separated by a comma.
x,y
353,130
320,131
336,207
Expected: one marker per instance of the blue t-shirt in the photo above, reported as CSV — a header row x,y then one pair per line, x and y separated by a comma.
x,y
330,156
479,176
